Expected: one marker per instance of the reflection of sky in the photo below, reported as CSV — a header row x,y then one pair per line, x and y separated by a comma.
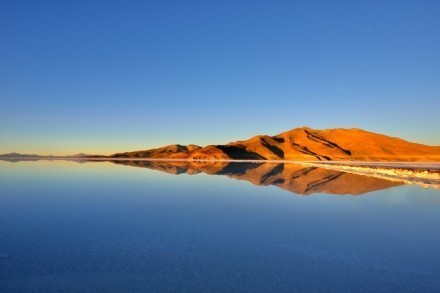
x,y
413,195
111,225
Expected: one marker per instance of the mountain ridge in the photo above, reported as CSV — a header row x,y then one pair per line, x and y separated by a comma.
x,y
301,144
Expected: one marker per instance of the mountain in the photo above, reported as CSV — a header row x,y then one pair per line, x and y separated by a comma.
x,y
171,151
17,155
302,144
291,177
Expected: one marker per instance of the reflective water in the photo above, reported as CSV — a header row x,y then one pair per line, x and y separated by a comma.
x,y
107,227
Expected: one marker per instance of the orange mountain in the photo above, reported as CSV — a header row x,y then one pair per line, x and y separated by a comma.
x,y
302,144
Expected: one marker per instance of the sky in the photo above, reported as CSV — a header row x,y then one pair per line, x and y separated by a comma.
x,y
109,76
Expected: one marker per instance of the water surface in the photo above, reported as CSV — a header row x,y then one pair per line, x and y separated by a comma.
x,y
139,227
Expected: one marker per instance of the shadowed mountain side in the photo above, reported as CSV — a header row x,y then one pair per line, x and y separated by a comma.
x,y
302,144
294,178
234,152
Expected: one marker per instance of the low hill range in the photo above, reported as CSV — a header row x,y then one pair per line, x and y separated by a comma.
x,y
17,155
301,144
33,156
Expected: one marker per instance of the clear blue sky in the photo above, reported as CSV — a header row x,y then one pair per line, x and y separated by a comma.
x,y
106,76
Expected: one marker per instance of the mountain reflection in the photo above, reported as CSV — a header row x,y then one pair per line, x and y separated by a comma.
x,y
292,177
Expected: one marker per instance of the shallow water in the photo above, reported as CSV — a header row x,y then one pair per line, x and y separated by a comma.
x,y
138,227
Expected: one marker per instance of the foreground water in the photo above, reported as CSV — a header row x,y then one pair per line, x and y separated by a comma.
x,y
106,227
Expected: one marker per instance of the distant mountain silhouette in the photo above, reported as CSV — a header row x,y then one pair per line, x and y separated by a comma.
x,y
302,144
17,155
292,177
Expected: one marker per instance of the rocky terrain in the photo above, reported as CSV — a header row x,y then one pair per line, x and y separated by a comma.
x,y
302,144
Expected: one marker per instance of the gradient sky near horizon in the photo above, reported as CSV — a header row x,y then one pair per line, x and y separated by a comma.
x,y
108,76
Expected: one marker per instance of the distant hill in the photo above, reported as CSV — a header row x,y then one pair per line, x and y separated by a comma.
x,y
81,155
32,156
17,155
302,144
170,151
